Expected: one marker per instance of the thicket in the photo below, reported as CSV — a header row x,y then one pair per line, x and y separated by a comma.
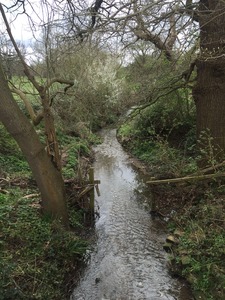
x,y
96,98
163,136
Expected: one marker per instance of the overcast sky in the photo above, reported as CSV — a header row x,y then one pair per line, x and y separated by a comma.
x,y
19,22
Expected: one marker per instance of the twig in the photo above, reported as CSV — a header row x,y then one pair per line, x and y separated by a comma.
x,y
31,196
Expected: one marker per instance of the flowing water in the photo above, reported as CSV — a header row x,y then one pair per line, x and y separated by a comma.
x,y
128,262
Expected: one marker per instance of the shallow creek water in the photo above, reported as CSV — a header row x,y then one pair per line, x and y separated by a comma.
x,y
127,262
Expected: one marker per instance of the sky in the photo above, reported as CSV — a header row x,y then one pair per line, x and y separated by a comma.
x,y
19,22
39,11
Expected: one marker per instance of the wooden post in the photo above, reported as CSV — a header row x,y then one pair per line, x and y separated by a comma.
x,y
153,204
92,192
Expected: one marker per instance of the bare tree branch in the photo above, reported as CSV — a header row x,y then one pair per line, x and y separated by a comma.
x,y
94,11
26,67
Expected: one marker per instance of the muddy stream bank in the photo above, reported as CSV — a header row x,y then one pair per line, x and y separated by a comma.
x,y
127,262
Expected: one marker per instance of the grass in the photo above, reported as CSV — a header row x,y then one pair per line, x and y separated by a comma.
x,y
197,210
37,256
11,158
39,259
203,246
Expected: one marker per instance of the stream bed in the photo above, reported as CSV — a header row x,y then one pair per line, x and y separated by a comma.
x,y
127,261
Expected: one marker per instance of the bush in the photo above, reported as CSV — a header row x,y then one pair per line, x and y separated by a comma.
x,y
162,136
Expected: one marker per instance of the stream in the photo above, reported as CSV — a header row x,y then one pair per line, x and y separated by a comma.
x,y
127,261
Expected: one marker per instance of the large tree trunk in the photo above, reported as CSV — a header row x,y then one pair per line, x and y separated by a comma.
x,y
48,178
209,92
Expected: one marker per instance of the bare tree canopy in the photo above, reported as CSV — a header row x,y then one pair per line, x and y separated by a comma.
x,y
173,28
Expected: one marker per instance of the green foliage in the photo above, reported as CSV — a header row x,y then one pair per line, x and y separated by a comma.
x,y
37,254
203,243
7,144
76,217
163,135
13,162
25,86
152,77
167,117
38,258
208,152
16,165
72,149
11,158
169,112
126,130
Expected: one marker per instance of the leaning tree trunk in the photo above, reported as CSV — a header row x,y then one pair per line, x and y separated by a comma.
x,y
209,92
48,178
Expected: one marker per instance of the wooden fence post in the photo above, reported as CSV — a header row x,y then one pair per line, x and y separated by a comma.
x,y
92,192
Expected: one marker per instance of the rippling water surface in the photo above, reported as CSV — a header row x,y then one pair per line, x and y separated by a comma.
x,y
127,262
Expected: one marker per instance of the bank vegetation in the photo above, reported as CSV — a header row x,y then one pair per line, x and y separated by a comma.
x,y
158,68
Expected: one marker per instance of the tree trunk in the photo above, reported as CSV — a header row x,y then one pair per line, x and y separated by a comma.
x,y
48,178
209,92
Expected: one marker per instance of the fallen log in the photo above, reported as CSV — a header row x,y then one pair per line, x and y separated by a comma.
x,y
210,169
187,178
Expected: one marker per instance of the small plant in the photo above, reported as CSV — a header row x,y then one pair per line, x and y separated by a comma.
x,y
203,244
72,150
37,254
208,151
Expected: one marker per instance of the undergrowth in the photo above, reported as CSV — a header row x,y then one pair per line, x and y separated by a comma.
x,y
167,146
39,259
156,151
11,158
200,254
37,255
